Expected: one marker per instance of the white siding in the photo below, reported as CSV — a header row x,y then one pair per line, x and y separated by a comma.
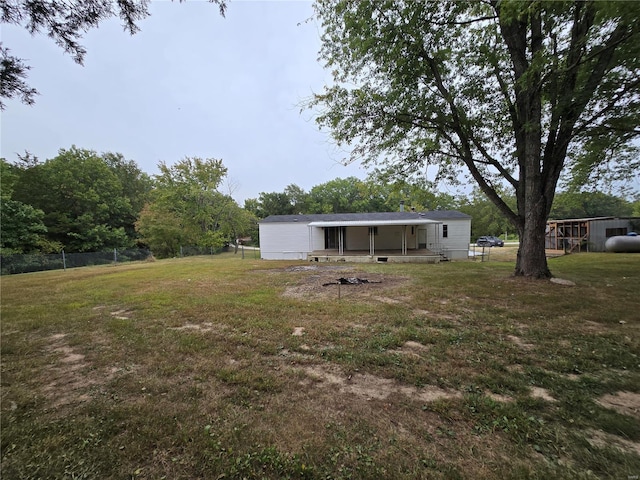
x,y
284,241
317,238
357,238
456,245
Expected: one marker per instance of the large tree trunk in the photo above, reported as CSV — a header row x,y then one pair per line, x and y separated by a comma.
x,y
533,205
532,261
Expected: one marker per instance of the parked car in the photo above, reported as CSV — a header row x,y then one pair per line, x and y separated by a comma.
x,y
489,241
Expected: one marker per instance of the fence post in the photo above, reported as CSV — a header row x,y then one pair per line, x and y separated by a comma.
x,y
64,261
115,255
181,254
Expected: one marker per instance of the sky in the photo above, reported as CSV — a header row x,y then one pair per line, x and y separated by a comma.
x,y
190,84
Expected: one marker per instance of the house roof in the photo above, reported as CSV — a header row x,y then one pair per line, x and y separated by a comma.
x,y
375,218
590,219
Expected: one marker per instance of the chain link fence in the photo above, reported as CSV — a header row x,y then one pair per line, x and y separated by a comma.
x,y
38,262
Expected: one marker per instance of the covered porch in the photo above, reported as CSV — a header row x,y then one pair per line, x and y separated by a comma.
x,y
393,241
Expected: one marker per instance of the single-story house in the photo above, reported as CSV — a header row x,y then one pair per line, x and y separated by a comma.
x,y
378,237
587,234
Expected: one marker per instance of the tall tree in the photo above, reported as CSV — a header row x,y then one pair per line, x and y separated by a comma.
x,y
297,196
515,92
589,204
136,187
293,200
417,193
65,23
187,208
487,218
86,206
22,229
274,203
344,195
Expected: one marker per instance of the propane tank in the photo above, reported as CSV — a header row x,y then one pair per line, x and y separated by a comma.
x,y
629,243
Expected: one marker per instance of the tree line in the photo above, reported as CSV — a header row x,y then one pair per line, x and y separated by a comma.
x,y
378,194
82,201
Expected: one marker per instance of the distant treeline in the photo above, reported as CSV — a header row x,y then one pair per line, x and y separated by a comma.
x,y
82,201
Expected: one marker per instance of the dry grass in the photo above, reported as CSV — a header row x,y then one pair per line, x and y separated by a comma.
x,y
227,368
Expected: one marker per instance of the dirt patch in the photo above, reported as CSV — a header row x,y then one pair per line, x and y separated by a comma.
x,y
415,346
542,393
69,377
387,300
496,397
298,331
626,403
122,314
65,382
316,268
373,387
594,327
68,355
204,327
562,281
516,368
319,282
600,439
520,343
412,348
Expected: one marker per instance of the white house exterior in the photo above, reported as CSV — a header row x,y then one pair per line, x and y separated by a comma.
x,y
377,236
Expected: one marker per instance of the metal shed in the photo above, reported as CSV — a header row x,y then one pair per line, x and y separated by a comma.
x,y
587,234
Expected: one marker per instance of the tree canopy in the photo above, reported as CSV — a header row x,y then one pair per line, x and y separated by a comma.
x,y
589,204
187,208
351,195
88,201
516,93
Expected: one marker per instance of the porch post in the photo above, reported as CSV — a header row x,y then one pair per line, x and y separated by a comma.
x,y
371,242
404,240
340,241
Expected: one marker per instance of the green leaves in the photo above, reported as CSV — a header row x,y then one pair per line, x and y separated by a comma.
x,y
188,209
22,227
83,197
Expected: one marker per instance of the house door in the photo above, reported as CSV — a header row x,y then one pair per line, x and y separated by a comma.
x,y
422,238
332,237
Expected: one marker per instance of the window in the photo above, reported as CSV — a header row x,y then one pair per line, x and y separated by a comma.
x,y
612,232
445,231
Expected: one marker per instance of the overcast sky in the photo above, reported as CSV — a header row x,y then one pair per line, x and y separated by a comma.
x,y
190,83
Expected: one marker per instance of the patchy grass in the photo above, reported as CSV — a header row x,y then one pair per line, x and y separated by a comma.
x,y
217,367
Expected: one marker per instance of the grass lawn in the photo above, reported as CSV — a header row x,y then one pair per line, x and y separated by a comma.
x,y
218,367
